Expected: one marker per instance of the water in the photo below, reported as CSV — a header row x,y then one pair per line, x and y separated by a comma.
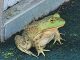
x,y
70,50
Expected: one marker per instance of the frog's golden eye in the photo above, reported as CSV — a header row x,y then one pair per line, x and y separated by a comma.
x,y
51,20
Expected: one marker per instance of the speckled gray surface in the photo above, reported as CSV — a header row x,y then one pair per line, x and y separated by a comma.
x,y
70,50
17,9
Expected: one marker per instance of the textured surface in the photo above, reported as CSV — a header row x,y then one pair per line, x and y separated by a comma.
x,y
70,50
1,21
8,3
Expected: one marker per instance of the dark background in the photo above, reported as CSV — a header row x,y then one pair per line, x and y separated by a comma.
x,y
70,50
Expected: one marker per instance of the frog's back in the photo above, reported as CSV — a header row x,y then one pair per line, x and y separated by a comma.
x,y
32,30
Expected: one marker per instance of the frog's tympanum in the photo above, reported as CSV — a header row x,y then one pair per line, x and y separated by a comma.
x,y
39,33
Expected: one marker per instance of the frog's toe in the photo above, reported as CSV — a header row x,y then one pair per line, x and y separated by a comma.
x,y
30,53
62,39
60,43
46,50
42,51
59,40
33,55
61,34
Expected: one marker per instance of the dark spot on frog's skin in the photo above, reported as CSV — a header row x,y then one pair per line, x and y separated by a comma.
x,y
27,39
38,48
35,40
36,43
27,43
23,43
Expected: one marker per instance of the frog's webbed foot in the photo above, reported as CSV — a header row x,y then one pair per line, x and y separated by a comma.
x,y
41,50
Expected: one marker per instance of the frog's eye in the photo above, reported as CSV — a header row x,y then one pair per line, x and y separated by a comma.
x,y
51,20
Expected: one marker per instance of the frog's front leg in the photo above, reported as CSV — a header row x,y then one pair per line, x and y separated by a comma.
x,y
57,37
24,44
40,49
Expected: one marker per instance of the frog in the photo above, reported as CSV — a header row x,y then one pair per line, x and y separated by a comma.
x,y
39,33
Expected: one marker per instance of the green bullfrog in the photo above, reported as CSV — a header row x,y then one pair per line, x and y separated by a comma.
x,y
39,33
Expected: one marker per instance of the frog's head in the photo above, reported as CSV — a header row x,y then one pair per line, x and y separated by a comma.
x,y
54,21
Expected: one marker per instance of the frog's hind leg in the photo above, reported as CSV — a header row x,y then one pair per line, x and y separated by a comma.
x,y
29,52
40,49
24,44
